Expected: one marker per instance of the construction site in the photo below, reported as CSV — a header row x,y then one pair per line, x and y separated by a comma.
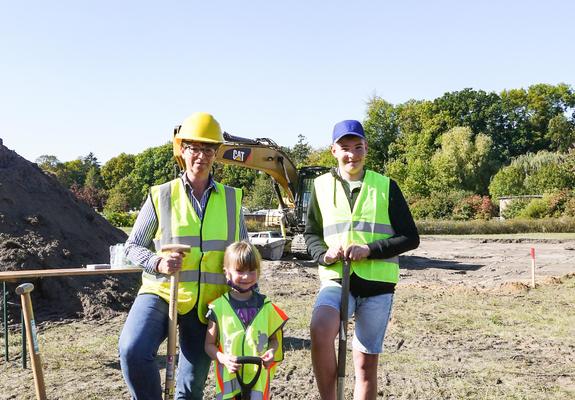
x,y
483,348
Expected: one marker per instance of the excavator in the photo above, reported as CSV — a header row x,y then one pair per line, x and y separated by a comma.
x,y
263,154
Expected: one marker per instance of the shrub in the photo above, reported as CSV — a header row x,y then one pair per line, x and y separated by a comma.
x,y
536,208
121,219
514,208
564,224
473,207
439,205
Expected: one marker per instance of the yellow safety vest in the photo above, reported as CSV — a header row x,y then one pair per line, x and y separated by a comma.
x,y
201,278
234,338
366,223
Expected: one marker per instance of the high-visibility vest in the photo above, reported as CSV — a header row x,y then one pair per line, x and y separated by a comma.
x,y
201,277
252,340
366,223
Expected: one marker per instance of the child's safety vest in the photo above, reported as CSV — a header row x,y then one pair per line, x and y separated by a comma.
x,y
366,223
239,340
201,278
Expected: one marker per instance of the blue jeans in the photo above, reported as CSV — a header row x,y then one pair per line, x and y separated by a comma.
x,y
145,329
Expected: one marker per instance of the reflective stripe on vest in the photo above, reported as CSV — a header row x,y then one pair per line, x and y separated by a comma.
x,y
201,277
366,223
234,338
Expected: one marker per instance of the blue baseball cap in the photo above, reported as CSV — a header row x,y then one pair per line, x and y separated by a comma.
x,y
347,127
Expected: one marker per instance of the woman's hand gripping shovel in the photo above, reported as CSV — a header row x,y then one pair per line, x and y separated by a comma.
x,y
343,312
173,324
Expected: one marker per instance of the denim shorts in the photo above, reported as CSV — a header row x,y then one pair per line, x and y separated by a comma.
x,y
371,315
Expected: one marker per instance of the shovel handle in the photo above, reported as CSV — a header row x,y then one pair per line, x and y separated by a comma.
x,y
342,344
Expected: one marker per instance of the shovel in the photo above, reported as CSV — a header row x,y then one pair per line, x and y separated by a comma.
x,y
342,345
173,325
247,387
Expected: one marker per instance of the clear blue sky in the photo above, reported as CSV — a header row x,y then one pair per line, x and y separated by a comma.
x,y
116,76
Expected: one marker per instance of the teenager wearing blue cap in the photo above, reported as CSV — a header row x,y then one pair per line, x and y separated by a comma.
x,y
360,215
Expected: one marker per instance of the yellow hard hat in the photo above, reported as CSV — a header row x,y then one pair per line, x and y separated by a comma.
x,y
198,127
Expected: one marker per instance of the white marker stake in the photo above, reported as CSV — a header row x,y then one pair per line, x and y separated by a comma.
x,y
533,267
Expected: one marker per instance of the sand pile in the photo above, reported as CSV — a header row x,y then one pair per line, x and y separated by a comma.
x,y
43,226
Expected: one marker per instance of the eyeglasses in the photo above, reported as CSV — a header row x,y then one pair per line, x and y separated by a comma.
x,y
196,150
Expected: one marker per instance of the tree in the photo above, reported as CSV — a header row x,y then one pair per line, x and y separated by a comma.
x,y
154,166
48,163
322,157
299,153
561,133
381,129
262,194
236,176
534,174
124,196
462,163
117,168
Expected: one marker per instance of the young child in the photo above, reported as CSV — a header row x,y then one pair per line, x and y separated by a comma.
x,y
243,322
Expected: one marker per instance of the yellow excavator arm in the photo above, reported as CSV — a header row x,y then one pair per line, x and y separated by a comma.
x,y
262,154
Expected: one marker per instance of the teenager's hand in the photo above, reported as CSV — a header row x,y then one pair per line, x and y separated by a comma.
x,y
333,254
268,358
229,361
170,263
357,252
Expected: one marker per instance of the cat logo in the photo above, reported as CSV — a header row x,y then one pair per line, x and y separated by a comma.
x,y
239,155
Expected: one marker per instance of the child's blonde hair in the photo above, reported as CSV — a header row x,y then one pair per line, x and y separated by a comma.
x,y
243,256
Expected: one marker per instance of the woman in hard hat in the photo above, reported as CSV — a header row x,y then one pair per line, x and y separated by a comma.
x,y
193,210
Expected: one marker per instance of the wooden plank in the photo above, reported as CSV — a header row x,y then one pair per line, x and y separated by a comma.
x,y
42,273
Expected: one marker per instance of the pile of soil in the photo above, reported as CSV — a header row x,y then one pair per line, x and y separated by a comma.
x,y
43,226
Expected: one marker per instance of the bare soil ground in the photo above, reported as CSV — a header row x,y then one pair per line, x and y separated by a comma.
x,y
465,325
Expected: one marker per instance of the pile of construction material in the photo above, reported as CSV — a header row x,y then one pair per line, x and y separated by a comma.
x,y
43,226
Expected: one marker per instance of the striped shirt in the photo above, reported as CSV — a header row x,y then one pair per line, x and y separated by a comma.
x,y
141,238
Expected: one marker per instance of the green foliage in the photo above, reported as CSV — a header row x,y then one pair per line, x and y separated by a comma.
x,y
561,133
48,163
462,162
438,205
322,158
514,208
124,196
236,176
534,174
477,227
262,194
299,153
154,166
536,208
508,182
121,219
499,128
381,130
94,179
117,168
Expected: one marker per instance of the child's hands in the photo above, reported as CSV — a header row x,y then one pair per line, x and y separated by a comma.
x,y
268,358
229,361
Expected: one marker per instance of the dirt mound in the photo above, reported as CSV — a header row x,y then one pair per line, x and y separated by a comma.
x,y
43,226
514,287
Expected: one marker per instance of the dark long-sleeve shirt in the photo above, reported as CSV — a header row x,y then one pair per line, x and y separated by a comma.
x,y
405,238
